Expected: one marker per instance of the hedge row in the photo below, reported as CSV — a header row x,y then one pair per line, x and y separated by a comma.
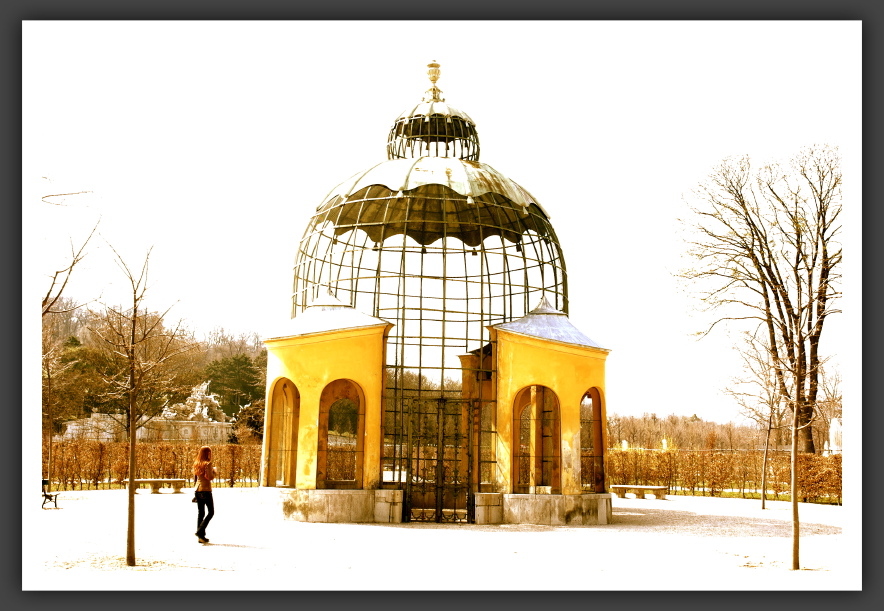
x,y
90,465
93,465
710,472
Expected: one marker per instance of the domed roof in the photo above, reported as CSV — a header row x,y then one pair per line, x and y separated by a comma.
x,y
432,240
433,127
431,198
468,178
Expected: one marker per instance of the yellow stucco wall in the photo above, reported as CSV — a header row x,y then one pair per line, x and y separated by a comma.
x,y
311,362
569,371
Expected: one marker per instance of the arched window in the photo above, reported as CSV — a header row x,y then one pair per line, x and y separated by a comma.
x,y
537,458
282,446
341,434
592,465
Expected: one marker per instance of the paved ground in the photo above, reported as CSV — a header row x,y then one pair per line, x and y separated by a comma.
x,y
684,543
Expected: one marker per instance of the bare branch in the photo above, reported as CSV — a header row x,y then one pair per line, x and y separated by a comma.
x,y
63,276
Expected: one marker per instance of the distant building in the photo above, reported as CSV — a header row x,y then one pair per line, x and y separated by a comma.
x,y
97,427
199,419
833,446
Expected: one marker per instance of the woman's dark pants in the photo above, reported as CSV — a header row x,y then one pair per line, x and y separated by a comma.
x,y
204,502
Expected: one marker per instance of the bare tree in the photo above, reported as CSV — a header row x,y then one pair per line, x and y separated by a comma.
x,y
60,279
757,393
149,350
766,251
54,303
52,368
223,344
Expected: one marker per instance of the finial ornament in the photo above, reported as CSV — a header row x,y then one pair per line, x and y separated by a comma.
x,y
433,93
433,71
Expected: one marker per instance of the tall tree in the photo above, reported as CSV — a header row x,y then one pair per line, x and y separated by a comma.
x,y
766,251
148,351
237,381
248,424
54,303
53,367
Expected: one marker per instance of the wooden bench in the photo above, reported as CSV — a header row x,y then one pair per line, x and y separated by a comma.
x,y
659,492
177,484
49,496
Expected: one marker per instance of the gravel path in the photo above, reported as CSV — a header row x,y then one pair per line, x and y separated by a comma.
x,y
684,543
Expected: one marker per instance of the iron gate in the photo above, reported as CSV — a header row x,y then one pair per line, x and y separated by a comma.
x,y
438,460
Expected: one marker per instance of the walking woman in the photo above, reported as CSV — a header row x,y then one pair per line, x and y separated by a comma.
x,y
203,474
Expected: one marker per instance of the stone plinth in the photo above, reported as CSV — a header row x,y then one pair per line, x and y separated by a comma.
x,y
489,508
557,509
351,506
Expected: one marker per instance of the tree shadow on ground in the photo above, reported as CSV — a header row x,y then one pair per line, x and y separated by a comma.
x,y
701,525
638,519
210,544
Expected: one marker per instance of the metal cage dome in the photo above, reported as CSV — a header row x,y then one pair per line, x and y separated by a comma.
x,y
438,244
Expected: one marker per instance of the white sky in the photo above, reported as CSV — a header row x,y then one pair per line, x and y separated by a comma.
x,y
214,142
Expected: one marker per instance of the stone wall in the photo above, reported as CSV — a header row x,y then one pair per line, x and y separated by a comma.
x,y
555,509
385,506
349,506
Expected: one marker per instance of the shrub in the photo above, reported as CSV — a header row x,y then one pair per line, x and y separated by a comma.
x,y
715,471
88,464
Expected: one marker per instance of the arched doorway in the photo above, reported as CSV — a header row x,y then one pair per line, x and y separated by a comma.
x,y
282,447
592,450
537,448
341,436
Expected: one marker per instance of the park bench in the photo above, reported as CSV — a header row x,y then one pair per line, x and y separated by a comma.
x,y
48,496
177,484
659,492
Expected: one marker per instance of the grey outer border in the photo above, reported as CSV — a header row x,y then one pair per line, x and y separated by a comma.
x,y
869,11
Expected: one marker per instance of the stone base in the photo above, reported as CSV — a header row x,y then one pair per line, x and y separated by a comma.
x,y
353,506
557,509
385,506
489,508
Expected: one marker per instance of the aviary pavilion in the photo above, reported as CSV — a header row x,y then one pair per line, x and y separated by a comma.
x,y
429,371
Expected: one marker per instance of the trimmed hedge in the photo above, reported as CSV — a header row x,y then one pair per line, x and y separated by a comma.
x,y
710,472
93,465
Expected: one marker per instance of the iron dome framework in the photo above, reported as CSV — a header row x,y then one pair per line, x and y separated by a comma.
x,y
442,246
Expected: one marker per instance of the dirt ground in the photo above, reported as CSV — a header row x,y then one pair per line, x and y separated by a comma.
x,y
681,543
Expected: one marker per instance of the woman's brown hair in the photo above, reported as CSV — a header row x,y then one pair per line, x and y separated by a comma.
x,y
203,460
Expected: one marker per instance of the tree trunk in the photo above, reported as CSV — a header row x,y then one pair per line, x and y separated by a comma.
x,y
805,434
794,491
130,529
764,462
49,417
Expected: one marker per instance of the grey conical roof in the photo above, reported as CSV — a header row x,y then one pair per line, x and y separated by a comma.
x,y
546,322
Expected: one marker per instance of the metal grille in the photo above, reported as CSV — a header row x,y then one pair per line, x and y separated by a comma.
x,y
592,474
438,473
441,269
342,450
283,442
434,135
538,456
